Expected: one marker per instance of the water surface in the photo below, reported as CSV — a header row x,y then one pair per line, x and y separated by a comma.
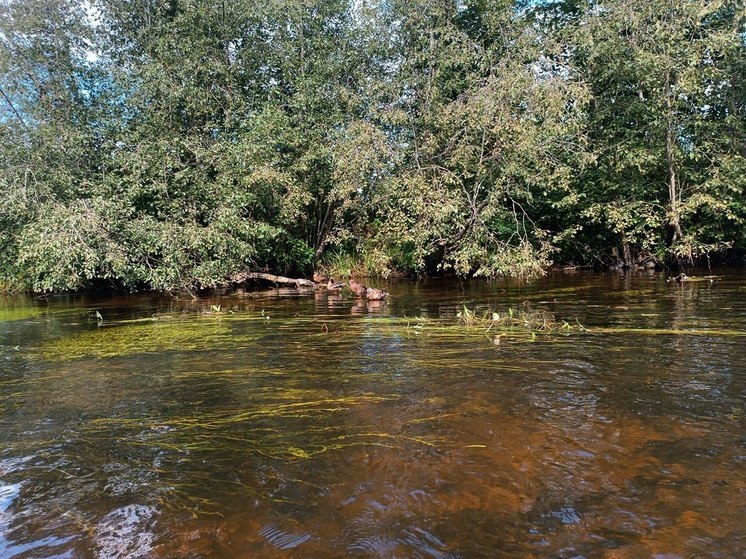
x,y
286,425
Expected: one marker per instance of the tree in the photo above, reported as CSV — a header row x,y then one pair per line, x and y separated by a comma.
x,y
667,123
54,128
172,143
493,119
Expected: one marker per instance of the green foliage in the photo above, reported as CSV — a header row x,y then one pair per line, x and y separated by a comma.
x,y
668,124
170,144
494,121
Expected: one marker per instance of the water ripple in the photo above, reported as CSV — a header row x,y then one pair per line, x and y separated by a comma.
x,y
282,539
125,533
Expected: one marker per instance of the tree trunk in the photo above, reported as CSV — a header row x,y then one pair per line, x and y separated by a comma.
x,y
322,236
673,179
627,254
271,278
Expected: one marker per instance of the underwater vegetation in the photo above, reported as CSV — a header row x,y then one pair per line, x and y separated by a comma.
x,y
8,314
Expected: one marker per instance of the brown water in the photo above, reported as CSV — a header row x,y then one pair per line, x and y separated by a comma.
x,y
277,425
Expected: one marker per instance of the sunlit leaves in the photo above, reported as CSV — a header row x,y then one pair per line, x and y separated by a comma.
x,y
663,70
170,144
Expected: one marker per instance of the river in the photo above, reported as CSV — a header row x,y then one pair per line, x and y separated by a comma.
x,y
275,424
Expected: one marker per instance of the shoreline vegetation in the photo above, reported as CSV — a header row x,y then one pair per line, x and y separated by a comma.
x,y
171,145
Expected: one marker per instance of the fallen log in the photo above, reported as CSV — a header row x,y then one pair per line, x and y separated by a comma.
x,y
271,278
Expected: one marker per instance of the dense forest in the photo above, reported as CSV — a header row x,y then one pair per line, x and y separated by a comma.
x,y
165,144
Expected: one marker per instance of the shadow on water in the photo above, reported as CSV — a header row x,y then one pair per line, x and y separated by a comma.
x,y
275,425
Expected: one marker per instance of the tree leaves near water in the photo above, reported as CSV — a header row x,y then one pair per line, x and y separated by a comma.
x,y
172,143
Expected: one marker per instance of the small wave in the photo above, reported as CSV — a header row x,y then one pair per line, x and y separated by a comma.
x,y
8,493
375,546
566,515
281,539
125,533
425,542
417,542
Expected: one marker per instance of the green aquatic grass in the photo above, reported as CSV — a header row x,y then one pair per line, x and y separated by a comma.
x,y
145,337
8,314
633,292
310,334
562,290
671,331
695,279
252,428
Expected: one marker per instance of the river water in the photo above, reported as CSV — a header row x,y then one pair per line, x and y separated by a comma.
x,y
276,424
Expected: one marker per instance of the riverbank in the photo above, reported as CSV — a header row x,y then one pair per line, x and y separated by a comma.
x,y
341,269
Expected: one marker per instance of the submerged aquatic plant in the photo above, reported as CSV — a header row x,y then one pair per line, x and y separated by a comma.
x,y
145,336
8,314
217,330
527,318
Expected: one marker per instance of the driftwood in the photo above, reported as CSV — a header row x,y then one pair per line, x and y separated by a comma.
x,y
271,278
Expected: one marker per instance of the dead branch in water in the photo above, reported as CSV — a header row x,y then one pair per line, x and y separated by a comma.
x,y
271,278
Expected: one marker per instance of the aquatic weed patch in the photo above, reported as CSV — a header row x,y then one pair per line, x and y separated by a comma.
x,y
154,336
526,318
9,314
254,428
